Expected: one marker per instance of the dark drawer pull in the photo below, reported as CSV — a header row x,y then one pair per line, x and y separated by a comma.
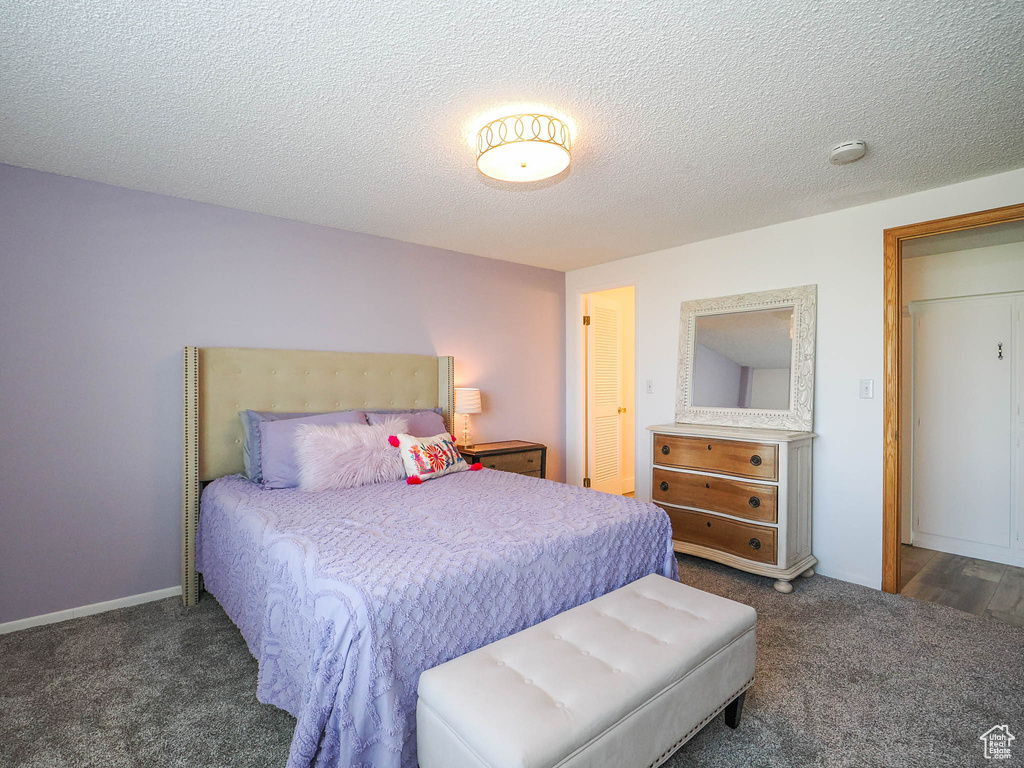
x,y
664,450
709,525
709,447
755,460
492,466
754,544
754,502
664,485
529,461
707,485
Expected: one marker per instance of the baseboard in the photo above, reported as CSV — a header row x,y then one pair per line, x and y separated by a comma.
x,y
88,610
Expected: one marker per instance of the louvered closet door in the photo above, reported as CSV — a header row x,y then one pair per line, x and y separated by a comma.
x,y
604,363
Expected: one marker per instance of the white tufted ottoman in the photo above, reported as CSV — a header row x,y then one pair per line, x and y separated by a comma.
x,y
621,681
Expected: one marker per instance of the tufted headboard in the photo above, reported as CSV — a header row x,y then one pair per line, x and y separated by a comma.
x,y
221,381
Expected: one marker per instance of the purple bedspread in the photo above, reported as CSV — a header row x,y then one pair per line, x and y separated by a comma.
x,y
344,597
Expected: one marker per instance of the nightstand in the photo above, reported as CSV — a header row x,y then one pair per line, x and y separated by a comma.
x,y
509,456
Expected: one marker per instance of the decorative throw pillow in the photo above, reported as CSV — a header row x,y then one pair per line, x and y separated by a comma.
x,y
429,457
422,423
347,455
277,445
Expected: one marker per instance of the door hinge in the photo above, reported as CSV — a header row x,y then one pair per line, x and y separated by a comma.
x,y
586,482
586,319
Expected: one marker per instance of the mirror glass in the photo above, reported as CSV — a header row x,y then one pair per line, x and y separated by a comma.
x,y
742,360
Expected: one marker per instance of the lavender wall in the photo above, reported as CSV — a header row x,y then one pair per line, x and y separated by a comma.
x,y
101,287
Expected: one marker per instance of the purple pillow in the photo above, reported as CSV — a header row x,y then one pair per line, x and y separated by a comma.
x,y
277,445
421,423
251,444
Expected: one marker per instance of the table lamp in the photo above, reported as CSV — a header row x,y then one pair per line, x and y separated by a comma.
x,y
467,401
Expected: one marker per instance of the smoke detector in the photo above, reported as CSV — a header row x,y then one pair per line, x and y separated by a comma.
x,y
847,152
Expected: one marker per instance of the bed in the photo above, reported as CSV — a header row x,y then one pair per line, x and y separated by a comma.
x,y
344,597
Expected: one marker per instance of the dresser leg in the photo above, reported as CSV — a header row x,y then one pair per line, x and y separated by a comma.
x,y
808,573
783,586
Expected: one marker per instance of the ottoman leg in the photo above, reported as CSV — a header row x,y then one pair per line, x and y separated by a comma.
x,y
734,711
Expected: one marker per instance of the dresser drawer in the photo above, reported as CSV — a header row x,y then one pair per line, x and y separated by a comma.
x,y
522,462
746,540
752,501
730,457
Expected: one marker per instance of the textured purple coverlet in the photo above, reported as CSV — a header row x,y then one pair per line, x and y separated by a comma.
x,y
344,597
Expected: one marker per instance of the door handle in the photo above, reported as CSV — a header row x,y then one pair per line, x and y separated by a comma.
x,y
622,410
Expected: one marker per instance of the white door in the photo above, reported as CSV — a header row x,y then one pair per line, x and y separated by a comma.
x,y
962,423
604,396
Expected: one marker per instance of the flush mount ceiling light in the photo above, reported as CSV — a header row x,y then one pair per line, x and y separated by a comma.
x,y
526,147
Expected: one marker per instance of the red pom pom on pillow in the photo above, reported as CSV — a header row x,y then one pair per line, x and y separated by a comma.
x,y
475,467
393,440
413,480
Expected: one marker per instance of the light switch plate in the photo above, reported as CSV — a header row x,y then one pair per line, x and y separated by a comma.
x,y
650,386
867,389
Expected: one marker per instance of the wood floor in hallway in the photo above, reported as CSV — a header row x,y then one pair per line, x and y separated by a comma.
x,y
976,586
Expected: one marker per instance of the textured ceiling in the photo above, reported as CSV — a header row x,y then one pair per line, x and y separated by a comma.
x,y
694,119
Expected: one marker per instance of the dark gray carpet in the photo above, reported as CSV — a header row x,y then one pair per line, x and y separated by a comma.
x,y
847,676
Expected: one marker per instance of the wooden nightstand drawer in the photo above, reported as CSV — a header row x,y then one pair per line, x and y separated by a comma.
x,y
746,540
515,456
730,457
527,461
752,501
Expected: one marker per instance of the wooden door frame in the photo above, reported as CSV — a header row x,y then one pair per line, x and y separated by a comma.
x,y
893,288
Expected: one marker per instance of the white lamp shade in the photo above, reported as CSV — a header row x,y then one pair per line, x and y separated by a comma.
x,y
467,400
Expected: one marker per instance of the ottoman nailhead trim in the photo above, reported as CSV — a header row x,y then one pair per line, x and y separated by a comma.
x,y
669,752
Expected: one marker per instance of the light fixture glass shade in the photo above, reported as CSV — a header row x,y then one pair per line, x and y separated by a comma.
x,y
467,400
523,148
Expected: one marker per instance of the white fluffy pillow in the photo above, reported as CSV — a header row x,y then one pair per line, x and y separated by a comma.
x,y
347,455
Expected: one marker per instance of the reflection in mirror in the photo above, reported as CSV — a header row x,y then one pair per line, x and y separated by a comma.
x,y
742,360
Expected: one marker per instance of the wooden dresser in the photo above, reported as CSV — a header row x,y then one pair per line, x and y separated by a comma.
x,y
738,496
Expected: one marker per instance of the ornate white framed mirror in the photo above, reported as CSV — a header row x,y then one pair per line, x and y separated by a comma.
x,y
748,360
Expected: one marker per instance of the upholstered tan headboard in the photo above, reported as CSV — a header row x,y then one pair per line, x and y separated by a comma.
x,y
221,381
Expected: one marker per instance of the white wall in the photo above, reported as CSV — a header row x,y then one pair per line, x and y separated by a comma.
x,y
719,383
842,253
975,272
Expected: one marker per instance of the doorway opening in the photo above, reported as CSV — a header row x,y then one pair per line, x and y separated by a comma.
x,y
609,390
927,309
